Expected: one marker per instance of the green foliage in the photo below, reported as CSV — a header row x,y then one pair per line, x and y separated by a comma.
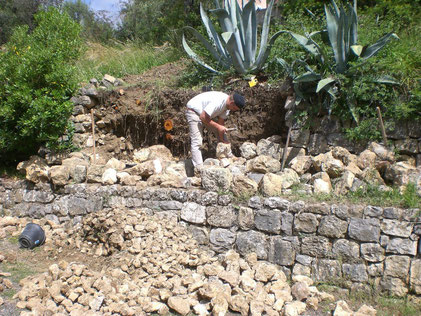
x,y
96,26
37,79
237,45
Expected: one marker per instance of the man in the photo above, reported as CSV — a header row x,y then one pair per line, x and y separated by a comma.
x,y
202,110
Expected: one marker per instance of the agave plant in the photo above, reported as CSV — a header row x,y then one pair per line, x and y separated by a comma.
x,y
342,29
237,44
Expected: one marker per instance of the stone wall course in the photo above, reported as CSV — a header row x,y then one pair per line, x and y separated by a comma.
x,y
361,244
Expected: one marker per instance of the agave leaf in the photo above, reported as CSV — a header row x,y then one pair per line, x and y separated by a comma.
x,y
265,50
232,47
217,4
323,83
374,48
341,61
352,109
306,43
221,58
265,31
250,32
287,67
332,30
224,20
194,56
354,24
307,77
357,49
213,35
387,80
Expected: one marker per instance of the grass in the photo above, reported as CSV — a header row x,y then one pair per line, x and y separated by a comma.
x,y
121,59
370,195
18,271
385,305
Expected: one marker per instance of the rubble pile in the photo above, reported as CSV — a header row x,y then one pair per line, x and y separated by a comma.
x,y
258,170
157,267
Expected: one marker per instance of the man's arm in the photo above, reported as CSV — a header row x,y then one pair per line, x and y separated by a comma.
x,y
205,118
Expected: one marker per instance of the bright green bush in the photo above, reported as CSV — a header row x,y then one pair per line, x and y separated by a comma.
x,y
37,79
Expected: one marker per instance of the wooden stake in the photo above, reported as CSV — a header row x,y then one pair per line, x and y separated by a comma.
x,y
382,127
93,134
284,154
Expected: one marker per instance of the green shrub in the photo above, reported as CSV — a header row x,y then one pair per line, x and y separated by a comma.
x,y
37,79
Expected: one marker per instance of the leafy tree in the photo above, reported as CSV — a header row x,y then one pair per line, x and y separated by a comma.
x,y
37,78
20,12
156,21
95,26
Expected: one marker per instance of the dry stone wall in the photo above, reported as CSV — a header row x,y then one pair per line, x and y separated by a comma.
x,y
360,247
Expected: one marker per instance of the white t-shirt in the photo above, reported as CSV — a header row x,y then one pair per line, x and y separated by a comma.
x,y
212,102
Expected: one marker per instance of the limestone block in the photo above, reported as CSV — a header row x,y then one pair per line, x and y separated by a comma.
x,y
109,176
221,239
248,150
397,266
325,270
331,226
347,249
316,246
372,252
397,228
269,148
364,229
243,186
366,159
393,286
305,222
220,216
355,272
263,164
402,246
268,221
301,164
282,252
216,179
415,276
246,218
193,213
252,241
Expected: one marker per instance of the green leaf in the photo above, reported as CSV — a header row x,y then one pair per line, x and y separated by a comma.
x,y
357,49
387,80
194,56
307,77
323,83
374,48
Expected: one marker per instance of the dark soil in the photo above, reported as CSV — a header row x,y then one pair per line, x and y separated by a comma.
x,y
140,110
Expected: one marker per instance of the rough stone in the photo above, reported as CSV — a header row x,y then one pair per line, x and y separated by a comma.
x,y
282,252
252,241
393,286
193,213
220,216
355,272
221,239
415,276
325,270
246,218
402,246
243,186
331,226
263,164
316,246
397,228
306,223
216,179
364,229
248,150
397,266
268,221
269,148
346,249
372,252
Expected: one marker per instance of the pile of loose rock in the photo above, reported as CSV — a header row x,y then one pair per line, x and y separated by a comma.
x,y
257,170
156,266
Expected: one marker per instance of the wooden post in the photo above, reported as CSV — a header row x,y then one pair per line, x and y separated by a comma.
x,y
93,135
284,154
382,127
